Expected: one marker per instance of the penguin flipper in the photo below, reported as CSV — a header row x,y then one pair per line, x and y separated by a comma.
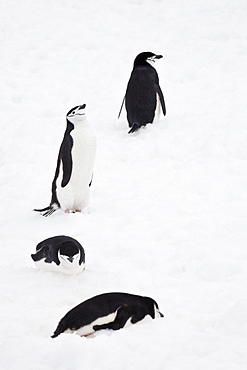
x,y
121,107
66,158
123,314
91,181
162,100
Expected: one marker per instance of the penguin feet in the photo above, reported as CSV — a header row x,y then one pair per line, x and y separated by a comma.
x,y
89,335
72,211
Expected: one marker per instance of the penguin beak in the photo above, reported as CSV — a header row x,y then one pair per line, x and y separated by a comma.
x,y
71,259
154,58
81,107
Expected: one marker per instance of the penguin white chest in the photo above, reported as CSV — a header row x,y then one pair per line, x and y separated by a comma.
x,y
157,109
75,195
72,269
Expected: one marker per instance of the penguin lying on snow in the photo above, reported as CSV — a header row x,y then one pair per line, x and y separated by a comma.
x,y
74,172
107,311
143,95
60,253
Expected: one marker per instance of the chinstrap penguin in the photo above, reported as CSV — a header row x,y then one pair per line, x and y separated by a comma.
x,y
107,311
143,96
74,171
61,254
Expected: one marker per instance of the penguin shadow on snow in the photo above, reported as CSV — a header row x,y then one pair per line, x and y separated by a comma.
x,y
60,254
143,98
75,163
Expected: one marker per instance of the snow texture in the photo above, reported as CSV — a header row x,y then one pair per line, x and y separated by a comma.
x,y
168,211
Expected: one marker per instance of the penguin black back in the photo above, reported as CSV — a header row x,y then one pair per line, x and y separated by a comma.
x,y
143,92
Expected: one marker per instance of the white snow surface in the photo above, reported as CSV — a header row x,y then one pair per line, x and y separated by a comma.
x,y
168,211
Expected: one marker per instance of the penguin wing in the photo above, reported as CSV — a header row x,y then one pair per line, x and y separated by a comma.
x,y
123,314
91,181
162,100
121,107
82,254
66,158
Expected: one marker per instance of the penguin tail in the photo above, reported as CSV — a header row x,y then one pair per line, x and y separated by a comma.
x,y
60,329
134,128
48,210
57,332
55,335
34,257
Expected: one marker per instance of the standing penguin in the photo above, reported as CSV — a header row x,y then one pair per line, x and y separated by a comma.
x,y
74,172
143,95
60,253
107,311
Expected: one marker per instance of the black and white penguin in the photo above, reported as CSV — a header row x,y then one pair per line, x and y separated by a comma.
x,y
74,171
107,311
60,253
143,96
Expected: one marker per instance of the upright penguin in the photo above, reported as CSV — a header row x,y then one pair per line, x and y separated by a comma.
x,y
107,311
143,96
74,171
60,253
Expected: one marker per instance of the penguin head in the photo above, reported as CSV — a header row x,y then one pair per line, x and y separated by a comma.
x,y
76,114
146,57
69,256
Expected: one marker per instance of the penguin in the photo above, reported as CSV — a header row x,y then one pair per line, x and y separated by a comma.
x,y
60,253
107,311
74,171
143,96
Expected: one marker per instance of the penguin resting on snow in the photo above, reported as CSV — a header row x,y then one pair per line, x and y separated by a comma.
x,y
143,96
60,253
107,311
74,171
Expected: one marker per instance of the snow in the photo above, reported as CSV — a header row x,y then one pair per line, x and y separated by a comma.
x,y
168,215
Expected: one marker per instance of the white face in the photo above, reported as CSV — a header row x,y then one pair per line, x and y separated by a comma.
x,y
77,114
151,60
69,262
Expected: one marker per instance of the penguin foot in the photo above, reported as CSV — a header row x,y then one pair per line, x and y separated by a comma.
x,y
72,211
88,335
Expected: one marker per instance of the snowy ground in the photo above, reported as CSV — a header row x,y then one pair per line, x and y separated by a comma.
x,y
168,212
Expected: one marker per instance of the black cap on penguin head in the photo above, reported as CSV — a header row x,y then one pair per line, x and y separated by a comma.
x,y
75,109
142,57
